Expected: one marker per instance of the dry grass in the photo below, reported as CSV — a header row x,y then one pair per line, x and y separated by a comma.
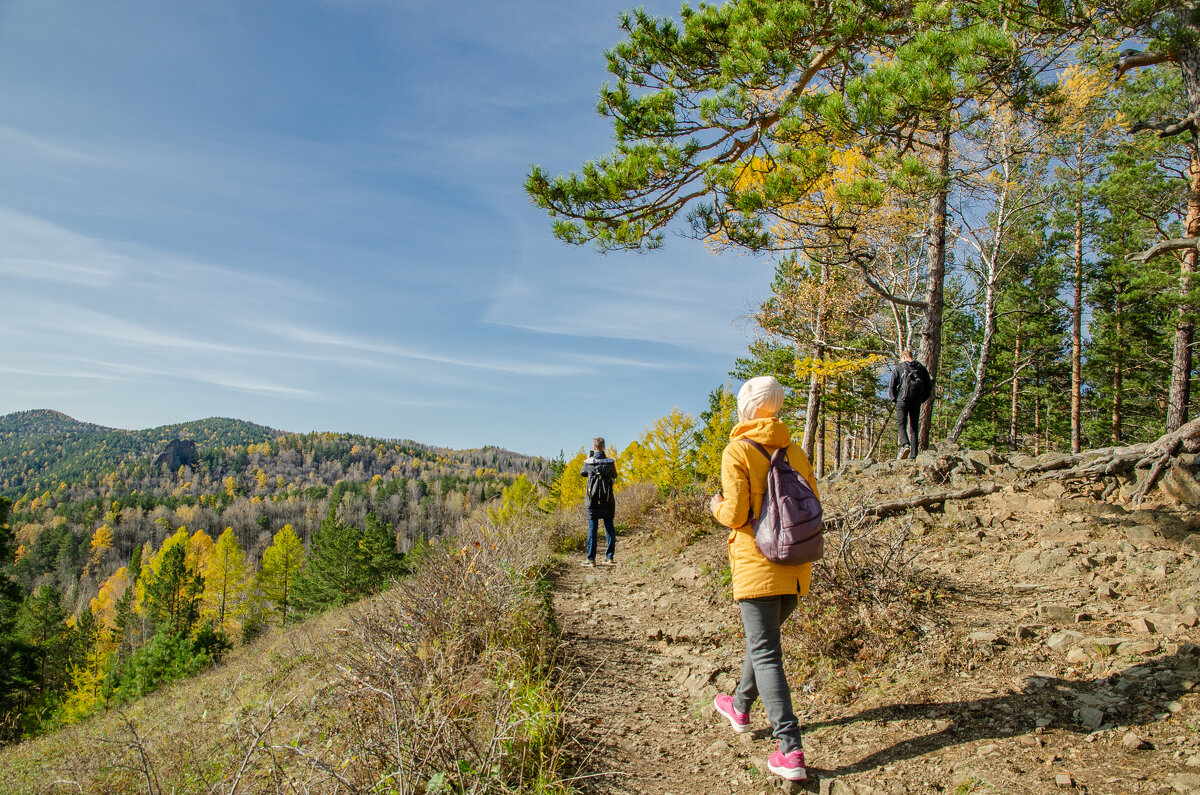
x,y
866,601
444,684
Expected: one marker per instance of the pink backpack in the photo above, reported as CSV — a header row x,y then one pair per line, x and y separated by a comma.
x,y
790,529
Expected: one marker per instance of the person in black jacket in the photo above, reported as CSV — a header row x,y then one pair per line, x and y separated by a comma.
x,y
600,471
909,388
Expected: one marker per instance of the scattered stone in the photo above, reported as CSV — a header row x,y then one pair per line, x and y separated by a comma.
x,y
1064,639
684,574
1181,486
1078,655
986,639
1064,780
1056,613
1142,537
1142,625
1105,591
1185,782
1134,648
1089,716
1174,707
1025,633
1135,743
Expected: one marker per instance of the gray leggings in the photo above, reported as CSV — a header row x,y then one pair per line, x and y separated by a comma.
x,y
762,672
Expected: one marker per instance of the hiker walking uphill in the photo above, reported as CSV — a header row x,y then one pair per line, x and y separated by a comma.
x,y
910,387
766,592
601,471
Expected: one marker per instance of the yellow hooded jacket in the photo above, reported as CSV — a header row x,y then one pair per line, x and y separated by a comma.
x,y
743,484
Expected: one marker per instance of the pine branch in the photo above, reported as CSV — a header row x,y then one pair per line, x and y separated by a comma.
x,y
1167,128
1134,59
1177,244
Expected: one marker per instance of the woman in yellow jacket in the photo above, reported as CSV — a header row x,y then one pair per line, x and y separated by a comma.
x,y
766,592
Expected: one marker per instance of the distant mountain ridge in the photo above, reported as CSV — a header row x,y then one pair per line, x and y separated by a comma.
x,y
45,446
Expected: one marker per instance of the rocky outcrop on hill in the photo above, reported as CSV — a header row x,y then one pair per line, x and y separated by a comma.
x,y
178,453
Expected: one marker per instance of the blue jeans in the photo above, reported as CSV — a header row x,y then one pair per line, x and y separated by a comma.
x,y
593,526
762,672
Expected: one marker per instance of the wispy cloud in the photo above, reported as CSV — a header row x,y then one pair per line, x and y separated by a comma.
x,y
313,336
40,147
49,373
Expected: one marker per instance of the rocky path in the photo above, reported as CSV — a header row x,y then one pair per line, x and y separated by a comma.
x,y
1065,659
647,645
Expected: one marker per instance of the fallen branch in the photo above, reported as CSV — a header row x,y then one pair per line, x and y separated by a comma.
x,y
921,501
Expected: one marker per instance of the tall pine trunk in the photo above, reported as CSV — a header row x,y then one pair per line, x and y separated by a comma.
x,y
1118,370
1037,413
1077,311
931,335
1185,330
1016,389
1181,357
837,440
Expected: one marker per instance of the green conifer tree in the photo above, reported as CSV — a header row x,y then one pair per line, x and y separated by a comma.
x,y
173,593
18,660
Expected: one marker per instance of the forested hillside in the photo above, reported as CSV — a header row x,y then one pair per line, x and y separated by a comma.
x,y
40,449
97,513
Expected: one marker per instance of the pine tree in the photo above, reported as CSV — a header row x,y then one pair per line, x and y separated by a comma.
x,y
173,592
18,661
333,573
346,564
44,628
381,560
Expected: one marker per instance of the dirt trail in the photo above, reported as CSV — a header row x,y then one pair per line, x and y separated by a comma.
x,y
1021,686
648,643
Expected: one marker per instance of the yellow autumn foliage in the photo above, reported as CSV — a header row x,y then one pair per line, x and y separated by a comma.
x,y
825,369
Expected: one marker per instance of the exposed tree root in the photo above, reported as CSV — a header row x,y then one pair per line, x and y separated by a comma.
x,y
1101,464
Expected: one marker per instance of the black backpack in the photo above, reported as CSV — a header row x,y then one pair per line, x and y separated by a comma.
x,y
914,387
790,529
599,489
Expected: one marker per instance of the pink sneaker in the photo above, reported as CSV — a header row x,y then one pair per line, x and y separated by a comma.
x,y
739,720
789,765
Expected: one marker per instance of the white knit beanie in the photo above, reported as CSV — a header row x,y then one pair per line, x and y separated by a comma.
x,y
759,397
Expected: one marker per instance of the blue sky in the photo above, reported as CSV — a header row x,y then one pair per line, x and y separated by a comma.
x,y
310,215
